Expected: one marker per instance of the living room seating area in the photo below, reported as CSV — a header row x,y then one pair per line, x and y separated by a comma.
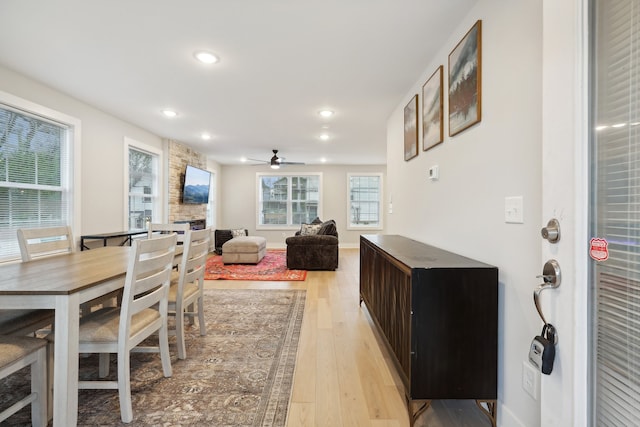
x,y
313,247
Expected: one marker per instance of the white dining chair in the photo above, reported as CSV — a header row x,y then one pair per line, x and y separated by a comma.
x,y
143,313
186,293
16,353
180,229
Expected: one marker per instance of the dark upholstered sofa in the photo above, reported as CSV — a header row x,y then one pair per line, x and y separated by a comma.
x,y
318,251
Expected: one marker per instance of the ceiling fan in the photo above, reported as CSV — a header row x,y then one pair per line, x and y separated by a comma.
x,y
275,162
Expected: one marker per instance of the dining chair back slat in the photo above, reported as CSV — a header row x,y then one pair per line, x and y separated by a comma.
x,y
166,228
45,241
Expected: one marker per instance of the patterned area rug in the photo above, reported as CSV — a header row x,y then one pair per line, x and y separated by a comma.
x,y
239,374
273,267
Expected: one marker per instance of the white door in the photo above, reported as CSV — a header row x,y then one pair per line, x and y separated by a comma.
x,y
564,155
596,377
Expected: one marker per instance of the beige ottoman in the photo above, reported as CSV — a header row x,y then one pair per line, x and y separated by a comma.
x,y
244,250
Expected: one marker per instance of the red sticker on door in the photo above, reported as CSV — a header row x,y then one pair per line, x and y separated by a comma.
x,y
598,249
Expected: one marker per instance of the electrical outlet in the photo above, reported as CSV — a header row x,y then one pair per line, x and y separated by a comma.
x,y
530,379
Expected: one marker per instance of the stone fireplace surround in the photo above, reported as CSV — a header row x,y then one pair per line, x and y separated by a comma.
x,y
179,157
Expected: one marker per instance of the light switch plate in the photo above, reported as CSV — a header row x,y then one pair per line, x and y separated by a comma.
x,y
514,210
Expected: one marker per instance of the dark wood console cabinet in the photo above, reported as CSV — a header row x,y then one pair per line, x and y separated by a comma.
x,y
438,313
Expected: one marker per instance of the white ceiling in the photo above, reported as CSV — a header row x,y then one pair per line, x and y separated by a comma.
x,y
281,62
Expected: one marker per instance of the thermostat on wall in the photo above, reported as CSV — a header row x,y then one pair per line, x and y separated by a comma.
x,y
433,173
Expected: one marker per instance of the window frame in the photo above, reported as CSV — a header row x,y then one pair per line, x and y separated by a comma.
x,y
158,204
289,175
71,177
379,226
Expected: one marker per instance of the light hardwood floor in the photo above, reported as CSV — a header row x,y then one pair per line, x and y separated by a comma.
x,y
344,376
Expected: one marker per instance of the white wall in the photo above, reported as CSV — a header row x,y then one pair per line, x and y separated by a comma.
x,y
500,157
102,151
238,200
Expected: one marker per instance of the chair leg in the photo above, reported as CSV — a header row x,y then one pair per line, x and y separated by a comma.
x,y
50,347
190,314
182,350
124,386
163,338
39,385
203,327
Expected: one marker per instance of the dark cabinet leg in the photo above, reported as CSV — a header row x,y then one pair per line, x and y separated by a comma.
x,y
489,411
423,405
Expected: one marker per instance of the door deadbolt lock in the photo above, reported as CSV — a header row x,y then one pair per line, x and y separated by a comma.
x,y
552,231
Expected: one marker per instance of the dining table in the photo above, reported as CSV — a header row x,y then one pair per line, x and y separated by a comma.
x,y
62,283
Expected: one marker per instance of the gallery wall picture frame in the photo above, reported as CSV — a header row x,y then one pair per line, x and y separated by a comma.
x,y
432,110
465,81
411,128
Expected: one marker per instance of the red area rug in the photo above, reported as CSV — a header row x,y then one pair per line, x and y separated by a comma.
x,y
273,267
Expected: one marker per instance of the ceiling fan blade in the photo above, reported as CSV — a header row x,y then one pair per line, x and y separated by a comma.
x,y
291,163
261,161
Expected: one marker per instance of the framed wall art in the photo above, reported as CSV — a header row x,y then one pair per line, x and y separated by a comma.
x,y
411,129
432,129
465,71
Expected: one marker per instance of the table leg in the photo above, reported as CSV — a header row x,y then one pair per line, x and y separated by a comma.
x,y
65,356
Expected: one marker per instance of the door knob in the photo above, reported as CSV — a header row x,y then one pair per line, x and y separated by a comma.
x,y
552,231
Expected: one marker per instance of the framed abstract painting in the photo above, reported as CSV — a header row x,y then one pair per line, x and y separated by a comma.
x,y
432,129
411,129
465,72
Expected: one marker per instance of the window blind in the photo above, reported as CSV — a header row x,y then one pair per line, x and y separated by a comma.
x,y
615,381
34,176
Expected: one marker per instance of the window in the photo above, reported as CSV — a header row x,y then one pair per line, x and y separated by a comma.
x,y
143,194
365,201
288,200
36,155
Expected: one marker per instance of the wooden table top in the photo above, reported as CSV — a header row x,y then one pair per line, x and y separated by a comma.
x,y
64,274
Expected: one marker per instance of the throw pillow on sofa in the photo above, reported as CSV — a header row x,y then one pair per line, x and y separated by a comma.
x,y
239,232
309,229
328,228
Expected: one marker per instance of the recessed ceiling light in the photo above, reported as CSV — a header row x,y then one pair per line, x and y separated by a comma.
x,y
324,137
323,160
326,113
206,57
169,113
205,136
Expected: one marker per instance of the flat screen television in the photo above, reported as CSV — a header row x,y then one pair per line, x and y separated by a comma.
x,y
196,186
